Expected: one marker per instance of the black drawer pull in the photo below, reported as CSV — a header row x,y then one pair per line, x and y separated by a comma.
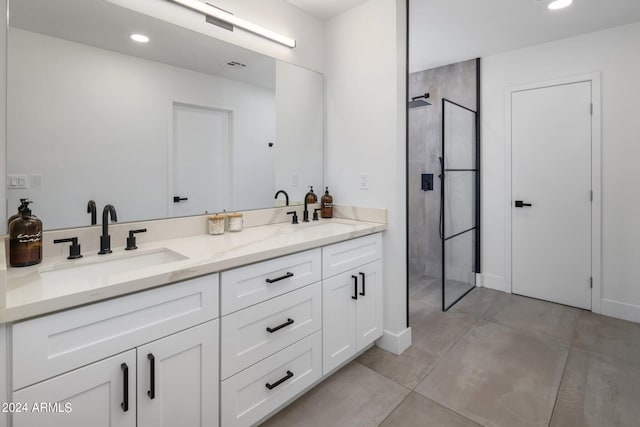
x,y
280,381
355,287
363,278
152,376
277,279
277,328
125,388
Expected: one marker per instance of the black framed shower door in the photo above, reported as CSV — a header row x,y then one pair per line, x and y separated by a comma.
x,y
459,201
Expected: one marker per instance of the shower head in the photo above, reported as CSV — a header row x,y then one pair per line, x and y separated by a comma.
x,y
419,101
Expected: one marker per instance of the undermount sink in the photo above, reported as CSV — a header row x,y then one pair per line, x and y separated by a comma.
x,y
96,267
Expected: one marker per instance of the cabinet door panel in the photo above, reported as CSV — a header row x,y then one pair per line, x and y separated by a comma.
x,y
185,368
94,394
338,321
369,307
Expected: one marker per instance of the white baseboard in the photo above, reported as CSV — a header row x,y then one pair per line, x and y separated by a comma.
x,y
492,281
620,310
395,343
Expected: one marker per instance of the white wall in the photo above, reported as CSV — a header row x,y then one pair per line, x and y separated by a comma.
x,y
96,125
275,15
365,121
300,131
615,53
4,376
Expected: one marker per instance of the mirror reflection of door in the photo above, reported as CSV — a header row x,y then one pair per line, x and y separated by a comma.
x,y
199,156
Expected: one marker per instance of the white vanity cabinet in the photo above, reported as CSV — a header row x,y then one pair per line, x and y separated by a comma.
x,y
100,359
271,350
352,299
227,349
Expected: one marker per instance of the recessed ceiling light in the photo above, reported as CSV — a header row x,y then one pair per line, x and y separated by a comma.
x,y
140,38
559,4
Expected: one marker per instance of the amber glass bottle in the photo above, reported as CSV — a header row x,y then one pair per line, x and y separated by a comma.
x,y
25,239
326,203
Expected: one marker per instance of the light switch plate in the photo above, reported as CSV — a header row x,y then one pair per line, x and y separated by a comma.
x,y
16,181
364,181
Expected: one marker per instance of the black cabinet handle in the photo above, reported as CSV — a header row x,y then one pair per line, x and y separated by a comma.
x,y
277,328
152,376
355,287
178,199
520,204
363,284
280,381
277,279
125,388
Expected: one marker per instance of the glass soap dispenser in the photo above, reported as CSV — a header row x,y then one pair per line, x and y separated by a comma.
x,y
326,205
25,239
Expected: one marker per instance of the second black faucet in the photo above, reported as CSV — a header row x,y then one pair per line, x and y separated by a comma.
x,y
105,239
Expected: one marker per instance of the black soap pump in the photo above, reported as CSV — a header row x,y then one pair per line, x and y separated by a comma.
x,y
20,208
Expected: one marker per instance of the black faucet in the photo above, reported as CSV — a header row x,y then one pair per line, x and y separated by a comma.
x,y
105,239
286,196
305,214
91,209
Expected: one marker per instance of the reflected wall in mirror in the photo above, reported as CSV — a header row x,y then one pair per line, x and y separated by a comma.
x,y
94,115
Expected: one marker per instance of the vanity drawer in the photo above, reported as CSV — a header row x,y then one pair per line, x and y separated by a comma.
x,y
259,282
344,256
245,338
57,343
246,398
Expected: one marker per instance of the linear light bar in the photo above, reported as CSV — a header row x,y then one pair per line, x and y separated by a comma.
x,y
204,8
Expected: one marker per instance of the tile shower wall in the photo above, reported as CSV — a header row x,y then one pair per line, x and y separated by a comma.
x,y
456,82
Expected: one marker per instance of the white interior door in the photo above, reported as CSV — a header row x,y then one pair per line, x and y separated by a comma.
x,y
201,153
551,171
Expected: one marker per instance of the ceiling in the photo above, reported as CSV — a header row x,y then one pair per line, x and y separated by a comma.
x,y
442,32
104,25
325,9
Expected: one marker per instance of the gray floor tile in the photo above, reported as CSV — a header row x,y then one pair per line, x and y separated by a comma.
x,y
598,391
421,287
498,377
533,316
355,396
477,302
438,331
605,335
418,411
420,309
407,369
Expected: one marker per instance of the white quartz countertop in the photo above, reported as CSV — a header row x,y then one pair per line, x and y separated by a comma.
x,y
28,295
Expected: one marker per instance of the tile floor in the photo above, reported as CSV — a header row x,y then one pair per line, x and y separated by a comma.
x,y
494,359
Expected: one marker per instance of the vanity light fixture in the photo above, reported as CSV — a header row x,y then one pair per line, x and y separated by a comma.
x,y
559,4
221,15
140,38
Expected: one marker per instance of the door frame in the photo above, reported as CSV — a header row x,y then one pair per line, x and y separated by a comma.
x,y
596,179
230,153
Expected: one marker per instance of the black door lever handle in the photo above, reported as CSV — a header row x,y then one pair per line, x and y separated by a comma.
x,y
178,199
521,204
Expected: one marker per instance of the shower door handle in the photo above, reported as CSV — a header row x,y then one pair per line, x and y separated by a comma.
x,y
521,204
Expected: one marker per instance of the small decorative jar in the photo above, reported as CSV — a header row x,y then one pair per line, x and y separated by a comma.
x,y
235,221
216,224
